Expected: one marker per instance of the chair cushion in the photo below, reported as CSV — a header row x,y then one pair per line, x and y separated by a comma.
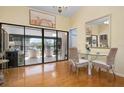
x,y
100,64
82,62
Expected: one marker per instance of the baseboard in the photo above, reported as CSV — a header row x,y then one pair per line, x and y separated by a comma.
x,y
116,73
119,74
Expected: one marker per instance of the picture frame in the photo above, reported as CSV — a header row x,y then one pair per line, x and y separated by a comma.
x,y
38,18
89,41
94,41
103,40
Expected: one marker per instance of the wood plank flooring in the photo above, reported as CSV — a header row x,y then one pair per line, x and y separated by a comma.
x,y
57,75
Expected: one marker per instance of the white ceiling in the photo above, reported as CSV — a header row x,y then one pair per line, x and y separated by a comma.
x,y
71,10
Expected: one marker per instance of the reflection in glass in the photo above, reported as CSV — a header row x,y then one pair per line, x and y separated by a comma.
x,y
27,41
49,45
98,32
15,41
33,46
62,45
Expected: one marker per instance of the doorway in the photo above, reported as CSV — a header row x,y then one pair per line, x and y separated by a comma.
x,y
73,37
50,50
33,46
50,46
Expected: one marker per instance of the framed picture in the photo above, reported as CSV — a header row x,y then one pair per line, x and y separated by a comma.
x,y
88,41
42,19
103,40
94,41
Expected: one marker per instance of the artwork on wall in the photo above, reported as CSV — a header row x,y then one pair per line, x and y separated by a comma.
x,y
94,41
103,40
42,19
88,41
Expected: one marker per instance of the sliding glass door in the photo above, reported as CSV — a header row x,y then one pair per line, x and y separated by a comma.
x,y
49,46
33,46
14,42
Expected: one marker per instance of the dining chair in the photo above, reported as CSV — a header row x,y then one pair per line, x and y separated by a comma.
x,y
75,61
109,64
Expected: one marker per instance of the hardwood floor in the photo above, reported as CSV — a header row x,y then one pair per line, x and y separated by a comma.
x,y
57,75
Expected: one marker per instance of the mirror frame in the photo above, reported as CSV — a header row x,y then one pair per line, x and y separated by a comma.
x,y
108,15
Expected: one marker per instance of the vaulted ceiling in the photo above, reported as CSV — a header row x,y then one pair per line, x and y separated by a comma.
x,y
69,11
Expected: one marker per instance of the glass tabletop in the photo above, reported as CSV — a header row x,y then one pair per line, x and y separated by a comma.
x,y
94,54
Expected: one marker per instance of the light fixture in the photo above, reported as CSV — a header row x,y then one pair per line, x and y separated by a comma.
x,y
106,22
60,9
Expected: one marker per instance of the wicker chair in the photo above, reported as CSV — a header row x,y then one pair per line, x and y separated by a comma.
x,y
75,62
109,64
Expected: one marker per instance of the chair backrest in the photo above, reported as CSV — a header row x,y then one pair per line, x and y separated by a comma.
x,y
111,56
73,54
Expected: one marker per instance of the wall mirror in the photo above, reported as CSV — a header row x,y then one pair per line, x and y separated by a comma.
x,y
98,33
